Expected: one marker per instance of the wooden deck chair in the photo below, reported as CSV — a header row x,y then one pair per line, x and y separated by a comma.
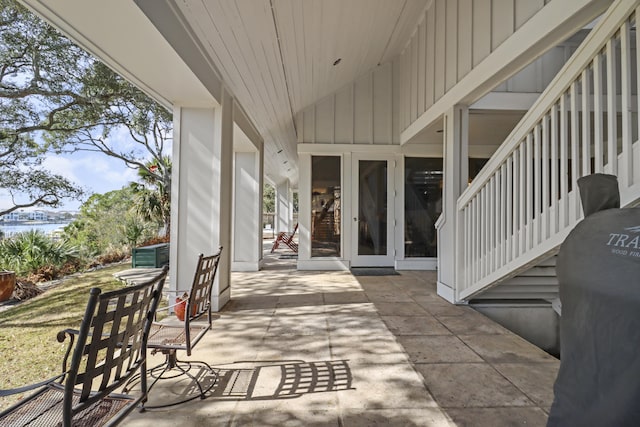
x,y
172,334
286,238
109,348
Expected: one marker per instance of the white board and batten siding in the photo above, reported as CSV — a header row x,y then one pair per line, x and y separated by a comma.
x,y
361,112
453,37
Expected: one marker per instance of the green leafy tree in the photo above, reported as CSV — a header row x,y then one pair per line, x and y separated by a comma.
x,y
104,223
268,199
55,97
35,88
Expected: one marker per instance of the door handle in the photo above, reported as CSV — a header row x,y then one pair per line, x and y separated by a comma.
x,y
355,219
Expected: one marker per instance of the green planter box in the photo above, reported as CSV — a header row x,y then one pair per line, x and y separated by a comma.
x,y
153,256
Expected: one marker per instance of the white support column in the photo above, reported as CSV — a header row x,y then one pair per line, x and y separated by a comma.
x,y
284,207
304,208
247,224
456,172
202,194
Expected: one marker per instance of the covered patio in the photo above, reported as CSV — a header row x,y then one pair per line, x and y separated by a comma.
x,y
273,91
329,348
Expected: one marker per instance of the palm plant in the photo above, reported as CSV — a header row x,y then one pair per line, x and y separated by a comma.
x,y
153,193
28,251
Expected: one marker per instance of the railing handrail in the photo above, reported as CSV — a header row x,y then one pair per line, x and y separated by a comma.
x,y
595,41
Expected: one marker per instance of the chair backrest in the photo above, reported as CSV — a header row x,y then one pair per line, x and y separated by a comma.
x,y
111,344
199,302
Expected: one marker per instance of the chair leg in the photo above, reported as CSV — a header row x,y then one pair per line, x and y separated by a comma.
x,y
172,368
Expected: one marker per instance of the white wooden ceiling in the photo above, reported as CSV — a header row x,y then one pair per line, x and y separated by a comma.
x,y
277,56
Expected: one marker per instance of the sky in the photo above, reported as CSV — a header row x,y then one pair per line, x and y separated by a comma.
x,y
94,172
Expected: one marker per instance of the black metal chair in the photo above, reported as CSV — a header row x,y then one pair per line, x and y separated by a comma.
x,y
109,348
168,336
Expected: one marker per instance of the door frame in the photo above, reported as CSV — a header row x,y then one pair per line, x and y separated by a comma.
x,y
373,260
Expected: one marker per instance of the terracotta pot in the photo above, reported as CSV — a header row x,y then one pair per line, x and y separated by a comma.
x,y
7,284
181,307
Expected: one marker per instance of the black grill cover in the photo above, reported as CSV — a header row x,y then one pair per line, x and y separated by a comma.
x,y
598,267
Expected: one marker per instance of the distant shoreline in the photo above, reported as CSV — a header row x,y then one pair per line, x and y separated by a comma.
x,y
31,222
11,229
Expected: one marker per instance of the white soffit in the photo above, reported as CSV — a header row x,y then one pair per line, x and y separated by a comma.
x,y
117,32
277,56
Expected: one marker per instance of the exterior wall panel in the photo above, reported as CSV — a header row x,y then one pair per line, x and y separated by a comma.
x,y
502,18
395,99
525,9
439,60
453,37
363,107
430,51
382,105
465,39
451,44
309,126
481,30
344,116
363,112
324,114
414,79
422,53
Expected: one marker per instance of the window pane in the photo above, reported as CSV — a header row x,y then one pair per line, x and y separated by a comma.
x,y
422,205
475,166
325,206
372,207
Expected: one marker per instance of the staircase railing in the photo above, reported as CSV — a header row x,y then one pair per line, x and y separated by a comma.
x,y
524,202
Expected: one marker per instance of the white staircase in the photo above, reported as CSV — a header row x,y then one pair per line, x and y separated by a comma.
x,y
513,217
539,282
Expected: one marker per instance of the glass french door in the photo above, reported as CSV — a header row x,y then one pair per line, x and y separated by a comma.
x,y
373,211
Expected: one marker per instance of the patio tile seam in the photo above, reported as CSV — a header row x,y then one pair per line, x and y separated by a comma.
x,y
530,398
444,405
488,406
424,335
460,339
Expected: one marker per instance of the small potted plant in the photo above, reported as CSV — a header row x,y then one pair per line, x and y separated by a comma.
x,y
7,284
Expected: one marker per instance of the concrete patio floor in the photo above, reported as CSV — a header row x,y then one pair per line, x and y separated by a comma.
x,y
297,348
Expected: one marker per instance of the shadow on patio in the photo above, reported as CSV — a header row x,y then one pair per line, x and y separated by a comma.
x,y
330,349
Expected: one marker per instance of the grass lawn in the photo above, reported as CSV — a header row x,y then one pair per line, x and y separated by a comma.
x,y
29,351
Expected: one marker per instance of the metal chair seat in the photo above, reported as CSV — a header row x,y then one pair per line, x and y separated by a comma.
x,y
45,408
109,348
166,336
169,337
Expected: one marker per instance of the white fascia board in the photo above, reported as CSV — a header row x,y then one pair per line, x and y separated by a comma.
x,y
121,36
551,25
417,149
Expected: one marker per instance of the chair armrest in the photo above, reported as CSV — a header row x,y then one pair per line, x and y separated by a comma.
x,y
72,333
61,336
12,391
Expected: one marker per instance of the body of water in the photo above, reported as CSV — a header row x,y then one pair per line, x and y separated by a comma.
x,y
46,228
